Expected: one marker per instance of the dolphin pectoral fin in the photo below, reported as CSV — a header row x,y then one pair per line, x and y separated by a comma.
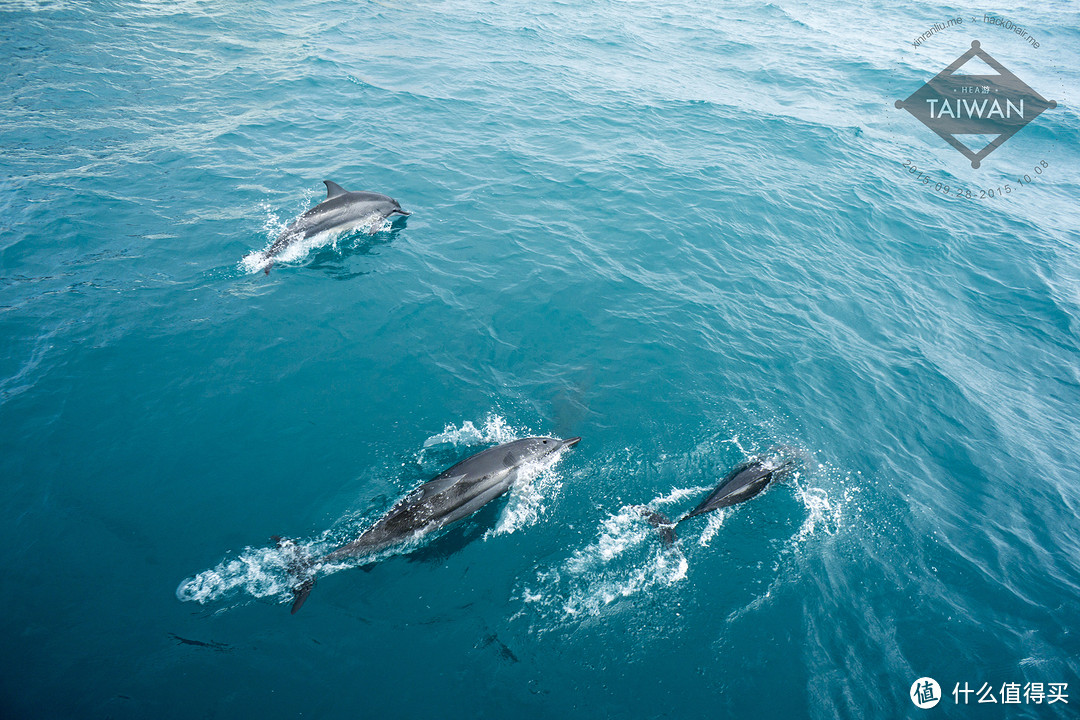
x,y
333,189
300,594
375,227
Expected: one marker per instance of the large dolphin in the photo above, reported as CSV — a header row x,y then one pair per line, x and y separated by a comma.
x,y
453,495
745,481
342,211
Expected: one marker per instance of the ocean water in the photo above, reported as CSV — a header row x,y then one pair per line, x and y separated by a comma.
x,y
688,232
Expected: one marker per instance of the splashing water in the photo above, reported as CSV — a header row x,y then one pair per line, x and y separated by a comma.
x,y
536,486
715,522
257,572
271,572
678,494
625,560
822,513
493,430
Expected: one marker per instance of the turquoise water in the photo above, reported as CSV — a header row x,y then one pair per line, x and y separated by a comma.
x,y
684,232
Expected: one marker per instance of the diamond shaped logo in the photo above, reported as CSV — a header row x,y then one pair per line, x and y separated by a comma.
x,y
954,103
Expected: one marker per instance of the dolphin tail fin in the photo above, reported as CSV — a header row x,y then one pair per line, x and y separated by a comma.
x,y
661,523
301,567
300,594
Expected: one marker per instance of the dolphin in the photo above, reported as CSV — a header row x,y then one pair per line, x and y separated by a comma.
x,y
746,480
341,211
452,495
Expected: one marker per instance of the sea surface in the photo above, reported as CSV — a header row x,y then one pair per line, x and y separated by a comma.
x,y
688,232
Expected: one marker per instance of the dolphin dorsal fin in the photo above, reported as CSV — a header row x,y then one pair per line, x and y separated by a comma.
x,y
333,189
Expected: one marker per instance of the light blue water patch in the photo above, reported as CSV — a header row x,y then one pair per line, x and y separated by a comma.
x,y
688,233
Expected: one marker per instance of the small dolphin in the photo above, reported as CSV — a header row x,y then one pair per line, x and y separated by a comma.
x,y
748,479
341,211
452,495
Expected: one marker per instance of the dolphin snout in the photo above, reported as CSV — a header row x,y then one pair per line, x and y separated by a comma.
x,y
571,442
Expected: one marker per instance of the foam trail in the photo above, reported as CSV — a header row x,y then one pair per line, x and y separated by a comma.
x,y
270,572
822,513
715,522
680,493
257,572
625,560
20,382
628,559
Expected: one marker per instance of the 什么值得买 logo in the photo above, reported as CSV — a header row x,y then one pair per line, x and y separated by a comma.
x,y
952,104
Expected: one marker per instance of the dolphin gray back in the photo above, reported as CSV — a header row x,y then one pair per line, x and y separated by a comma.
x,y
501,457
478,474
340,210
452,495
744,482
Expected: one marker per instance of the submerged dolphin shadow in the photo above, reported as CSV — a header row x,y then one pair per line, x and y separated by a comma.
x,y
449,542
333,259
457,538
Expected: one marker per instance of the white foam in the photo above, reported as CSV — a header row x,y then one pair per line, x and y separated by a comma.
x,y
678,494
257,572
715,522
626,559
493,430
536,486
823,514
618,533
270,572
